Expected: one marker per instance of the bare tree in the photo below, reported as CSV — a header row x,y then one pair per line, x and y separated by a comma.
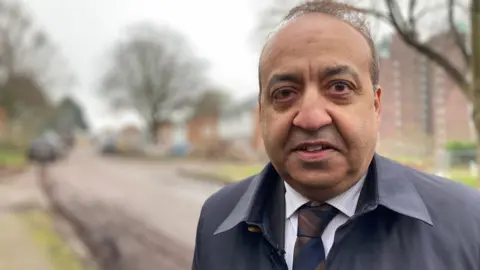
x,y
211,102
154,71
26,51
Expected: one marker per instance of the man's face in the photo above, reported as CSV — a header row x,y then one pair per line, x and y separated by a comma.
x,y
319,111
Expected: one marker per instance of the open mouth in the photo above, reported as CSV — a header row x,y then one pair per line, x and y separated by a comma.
x,y
313,148
313,151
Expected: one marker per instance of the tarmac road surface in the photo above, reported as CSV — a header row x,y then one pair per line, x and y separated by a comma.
x,y
150,192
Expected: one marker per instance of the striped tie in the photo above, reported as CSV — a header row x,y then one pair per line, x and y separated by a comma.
x,y
313,218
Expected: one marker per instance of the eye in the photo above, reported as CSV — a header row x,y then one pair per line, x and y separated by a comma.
x,y
340,88
284,95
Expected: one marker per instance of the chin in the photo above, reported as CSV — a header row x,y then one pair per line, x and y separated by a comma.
x,y
320,175
318,180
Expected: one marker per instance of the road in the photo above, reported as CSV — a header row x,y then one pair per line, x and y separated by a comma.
x,y
151,191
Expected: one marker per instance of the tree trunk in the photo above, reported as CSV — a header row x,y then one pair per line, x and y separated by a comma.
x,y
153,128
475,82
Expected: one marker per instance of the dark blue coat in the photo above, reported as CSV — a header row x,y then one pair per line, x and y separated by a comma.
x,y
405,219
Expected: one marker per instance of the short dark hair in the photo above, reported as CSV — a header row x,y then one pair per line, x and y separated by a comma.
x,y
346,13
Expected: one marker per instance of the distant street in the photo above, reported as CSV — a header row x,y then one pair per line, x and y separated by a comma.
x,y
151,191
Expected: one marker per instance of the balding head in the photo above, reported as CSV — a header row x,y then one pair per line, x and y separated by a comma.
x,y
346,13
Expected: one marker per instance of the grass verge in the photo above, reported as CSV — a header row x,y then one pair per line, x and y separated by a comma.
x,y
57,251
464,176
12,158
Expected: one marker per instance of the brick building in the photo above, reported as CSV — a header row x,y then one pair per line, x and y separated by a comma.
x,y
239,124
451,109
202,131
422,108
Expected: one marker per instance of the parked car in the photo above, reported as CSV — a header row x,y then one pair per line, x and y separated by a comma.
x,y
40,150
109,146
47,148
58,144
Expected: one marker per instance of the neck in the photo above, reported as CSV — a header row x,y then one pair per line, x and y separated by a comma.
x,y
322,194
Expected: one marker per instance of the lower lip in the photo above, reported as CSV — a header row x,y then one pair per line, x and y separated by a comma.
x,y
314,156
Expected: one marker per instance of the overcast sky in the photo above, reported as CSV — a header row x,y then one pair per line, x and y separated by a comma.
x,y
84,30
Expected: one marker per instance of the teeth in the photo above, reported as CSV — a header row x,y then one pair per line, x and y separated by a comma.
x,y
313,148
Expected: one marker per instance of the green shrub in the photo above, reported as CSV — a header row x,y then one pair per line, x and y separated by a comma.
x,y
461,153
460,145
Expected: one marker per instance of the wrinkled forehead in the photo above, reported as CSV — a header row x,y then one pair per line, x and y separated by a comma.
x,y
317,36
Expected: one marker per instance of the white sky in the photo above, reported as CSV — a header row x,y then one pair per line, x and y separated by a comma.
x,y
84,30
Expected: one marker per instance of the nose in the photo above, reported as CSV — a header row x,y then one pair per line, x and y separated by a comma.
x,y
312,113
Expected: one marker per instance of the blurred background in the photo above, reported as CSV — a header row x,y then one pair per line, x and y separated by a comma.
x,y
119,118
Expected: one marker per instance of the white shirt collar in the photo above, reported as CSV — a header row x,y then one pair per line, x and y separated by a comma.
x,y
345,202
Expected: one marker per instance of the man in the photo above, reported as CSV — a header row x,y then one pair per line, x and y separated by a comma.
x,y
326,200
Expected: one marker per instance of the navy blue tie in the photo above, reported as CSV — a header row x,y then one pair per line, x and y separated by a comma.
x,y
313,218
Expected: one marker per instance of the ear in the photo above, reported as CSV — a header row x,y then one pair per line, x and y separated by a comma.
x,y
378,101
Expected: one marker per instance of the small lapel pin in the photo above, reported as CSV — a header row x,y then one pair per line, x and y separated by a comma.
x,y
254,229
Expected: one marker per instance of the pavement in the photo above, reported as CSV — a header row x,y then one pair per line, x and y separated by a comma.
x,y
18,250
21,190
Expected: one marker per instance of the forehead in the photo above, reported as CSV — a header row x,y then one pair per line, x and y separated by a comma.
x,y
318,39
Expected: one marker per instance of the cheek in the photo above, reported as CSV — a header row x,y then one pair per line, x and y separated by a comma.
x,y
357,127
274,131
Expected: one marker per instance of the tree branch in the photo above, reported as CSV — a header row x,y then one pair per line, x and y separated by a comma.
x,y
26,50
410,37
373,12
395,14
429,9
411,14
459,39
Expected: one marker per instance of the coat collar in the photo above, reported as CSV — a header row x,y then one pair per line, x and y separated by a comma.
x,y
396,190
256,199
388,184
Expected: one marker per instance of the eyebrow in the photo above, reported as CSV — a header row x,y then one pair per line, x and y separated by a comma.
x,y
339,70
286,77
